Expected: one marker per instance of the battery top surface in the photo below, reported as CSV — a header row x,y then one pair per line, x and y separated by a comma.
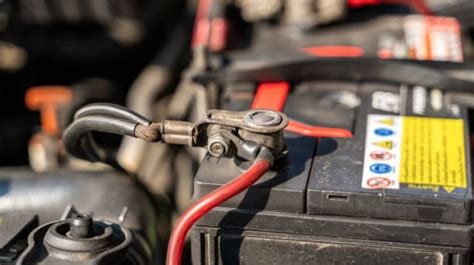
x,y
408,158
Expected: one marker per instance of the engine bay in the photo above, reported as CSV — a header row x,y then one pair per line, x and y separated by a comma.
x,y
236,132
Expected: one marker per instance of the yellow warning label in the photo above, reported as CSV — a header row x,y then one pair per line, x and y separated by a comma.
x,y
387,121
385,144
433,153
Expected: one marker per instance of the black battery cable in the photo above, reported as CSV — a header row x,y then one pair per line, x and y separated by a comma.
x,y
101,117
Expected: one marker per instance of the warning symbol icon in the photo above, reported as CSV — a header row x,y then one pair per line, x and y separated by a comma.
x,y
378,182
380,155
387,121
384,144
449,189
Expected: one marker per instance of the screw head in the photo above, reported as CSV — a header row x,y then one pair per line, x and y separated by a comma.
x,y
217,149
217,145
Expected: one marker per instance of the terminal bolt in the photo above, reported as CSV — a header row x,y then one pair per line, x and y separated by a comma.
x,y
217,145
81,226
262,118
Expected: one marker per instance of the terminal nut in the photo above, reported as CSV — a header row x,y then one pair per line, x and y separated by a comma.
x,y
217,145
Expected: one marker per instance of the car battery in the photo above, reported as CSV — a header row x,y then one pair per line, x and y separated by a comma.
x,y
398,192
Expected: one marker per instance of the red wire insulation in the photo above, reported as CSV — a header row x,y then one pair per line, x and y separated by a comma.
x,y
201,24
334,51
419,5
315,131
218,34
273,96
209,32
207,203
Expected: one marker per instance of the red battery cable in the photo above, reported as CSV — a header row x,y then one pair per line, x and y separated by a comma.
x,y
207,203
273,96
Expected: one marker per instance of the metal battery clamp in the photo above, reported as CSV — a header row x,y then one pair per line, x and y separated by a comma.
x,y
222,133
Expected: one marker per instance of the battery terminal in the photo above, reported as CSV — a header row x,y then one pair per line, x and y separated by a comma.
x,y
223,133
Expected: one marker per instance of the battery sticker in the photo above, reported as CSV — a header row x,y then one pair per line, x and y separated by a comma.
x,y
386,101
419,100
416,152
433,38
429,38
